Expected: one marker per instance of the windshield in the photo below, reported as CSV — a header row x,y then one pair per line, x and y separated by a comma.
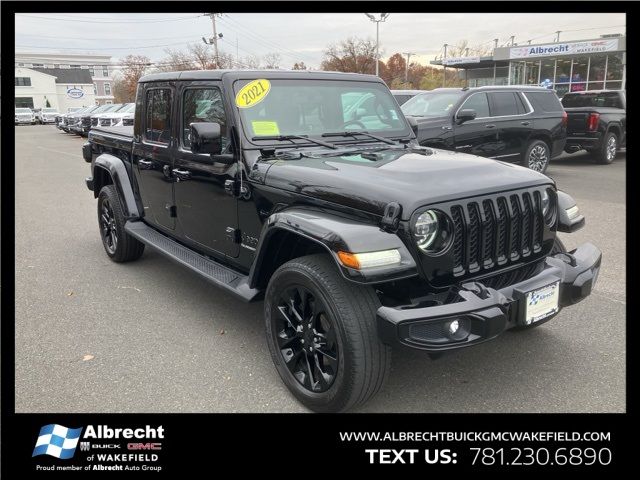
x,y
313,107
23,110
596,99
435,104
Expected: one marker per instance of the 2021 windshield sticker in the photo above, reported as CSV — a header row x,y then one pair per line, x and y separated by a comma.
x,y
253,93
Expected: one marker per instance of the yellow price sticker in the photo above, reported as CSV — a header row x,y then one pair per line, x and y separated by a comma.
x,y
265,128
253,93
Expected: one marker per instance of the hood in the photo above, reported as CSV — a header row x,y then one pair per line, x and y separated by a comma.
x,y
412,179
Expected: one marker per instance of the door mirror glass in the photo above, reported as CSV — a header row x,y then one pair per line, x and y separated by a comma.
x,y
465,115
206,138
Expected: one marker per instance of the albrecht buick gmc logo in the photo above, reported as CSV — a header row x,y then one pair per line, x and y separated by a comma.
x,y
61,442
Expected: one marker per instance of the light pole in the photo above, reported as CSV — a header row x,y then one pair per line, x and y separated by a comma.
x,y
444,65
383,17
406,66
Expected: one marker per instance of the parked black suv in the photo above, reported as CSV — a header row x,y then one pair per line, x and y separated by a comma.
x,y
515,124
286,186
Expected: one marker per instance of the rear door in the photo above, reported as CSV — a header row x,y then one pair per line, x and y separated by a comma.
x,y
152,156
512,119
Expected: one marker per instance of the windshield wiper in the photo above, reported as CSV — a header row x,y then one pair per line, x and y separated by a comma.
x,y
366,134
291,137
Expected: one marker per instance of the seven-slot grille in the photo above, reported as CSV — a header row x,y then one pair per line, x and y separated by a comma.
x,y
496,231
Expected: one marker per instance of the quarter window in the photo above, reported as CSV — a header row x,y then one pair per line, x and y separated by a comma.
x,y
503,103
158,115
203,105
479,103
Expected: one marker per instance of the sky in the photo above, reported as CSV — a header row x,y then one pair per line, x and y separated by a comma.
x,y
296,37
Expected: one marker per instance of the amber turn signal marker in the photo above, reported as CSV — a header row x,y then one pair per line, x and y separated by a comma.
x,y
349,260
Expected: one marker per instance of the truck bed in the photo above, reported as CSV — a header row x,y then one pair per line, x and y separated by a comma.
x,y
114,137
577,117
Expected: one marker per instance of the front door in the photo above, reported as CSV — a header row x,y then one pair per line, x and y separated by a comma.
x,y
207,214
152,156
479,136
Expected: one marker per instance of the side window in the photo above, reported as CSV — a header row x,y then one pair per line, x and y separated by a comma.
x,y
503,103
522,108
202,105
158,116
544,101
479,103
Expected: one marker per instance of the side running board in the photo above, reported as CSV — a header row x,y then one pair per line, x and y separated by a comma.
x,y
211,270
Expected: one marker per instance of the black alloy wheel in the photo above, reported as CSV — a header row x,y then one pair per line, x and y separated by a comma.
x,y
306,337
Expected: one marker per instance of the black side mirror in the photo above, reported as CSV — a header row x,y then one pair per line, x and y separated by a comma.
x,y
465,115
206,138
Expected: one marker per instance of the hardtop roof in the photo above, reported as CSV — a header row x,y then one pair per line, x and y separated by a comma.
x,y
248,74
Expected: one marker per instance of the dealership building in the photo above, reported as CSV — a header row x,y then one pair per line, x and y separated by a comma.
x,y
97,68
593,64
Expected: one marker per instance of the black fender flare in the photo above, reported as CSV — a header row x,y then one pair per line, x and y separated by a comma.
x,y
335,232
118,172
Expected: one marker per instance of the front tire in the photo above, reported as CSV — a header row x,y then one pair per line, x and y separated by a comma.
x,y
537,156
322,335
606,154
119,245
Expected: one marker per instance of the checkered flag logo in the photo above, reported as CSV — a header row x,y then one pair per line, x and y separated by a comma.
x,y
57,441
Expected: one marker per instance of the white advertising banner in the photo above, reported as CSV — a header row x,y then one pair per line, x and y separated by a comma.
x,y
568,48
460,60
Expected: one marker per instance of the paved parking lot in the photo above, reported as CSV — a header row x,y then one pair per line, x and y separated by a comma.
x,y
95,336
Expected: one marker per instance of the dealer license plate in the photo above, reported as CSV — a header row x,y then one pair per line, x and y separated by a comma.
x,y
542,303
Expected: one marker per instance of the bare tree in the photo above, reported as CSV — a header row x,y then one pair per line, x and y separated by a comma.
x,y
272,60
299,66
251,61
176,60
351,55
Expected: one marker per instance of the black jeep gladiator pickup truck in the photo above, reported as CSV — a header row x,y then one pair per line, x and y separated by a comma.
x,y
277,186
597,122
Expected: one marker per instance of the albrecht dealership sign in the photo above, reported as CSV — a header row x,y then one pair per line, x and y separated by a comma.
x,y
570,48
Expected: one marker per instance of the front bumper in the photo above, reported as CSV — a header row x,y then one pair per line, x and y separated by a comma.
x,y
487,312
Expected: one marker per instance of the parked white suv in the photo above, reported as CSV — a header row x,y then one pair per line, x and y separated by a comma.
x,y
47,115
112,119
25,115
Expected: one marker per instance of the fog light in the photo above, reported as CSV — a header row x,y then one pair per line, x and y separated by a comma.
x,y
453,327
457,329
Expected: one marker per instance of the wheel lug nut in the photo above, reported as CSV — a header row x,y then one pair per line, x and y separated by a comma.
x,y
302,341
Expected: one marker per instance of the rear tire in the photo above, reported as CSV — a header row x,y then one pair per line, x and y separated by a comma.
x,y
537,156
119,245
606,154
322,335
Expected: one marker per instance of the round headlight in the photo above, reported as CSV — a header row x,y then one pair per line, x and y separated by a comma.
x,y
548,207
432,231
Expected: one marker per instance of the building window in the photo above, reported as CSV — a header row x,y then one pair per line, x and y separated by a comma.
x,y
95,89
532,72
105,71
597,68
84,67
107,89
38,65
92,71
56,65
75,67
614,67
64,66
23,82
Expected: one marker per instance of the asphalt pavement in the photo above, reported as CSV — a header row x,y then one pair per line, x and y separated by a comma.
x,y
149,336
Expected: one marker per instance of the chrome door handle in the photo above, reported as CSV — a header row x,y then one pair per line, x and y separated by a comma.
x,y
525,123
145,164
491,125
181,175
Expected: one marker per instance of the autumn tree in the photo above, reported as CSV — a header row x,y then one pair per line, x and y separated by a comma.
x,y
120,91
396,65
133,67
351,55
299,66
